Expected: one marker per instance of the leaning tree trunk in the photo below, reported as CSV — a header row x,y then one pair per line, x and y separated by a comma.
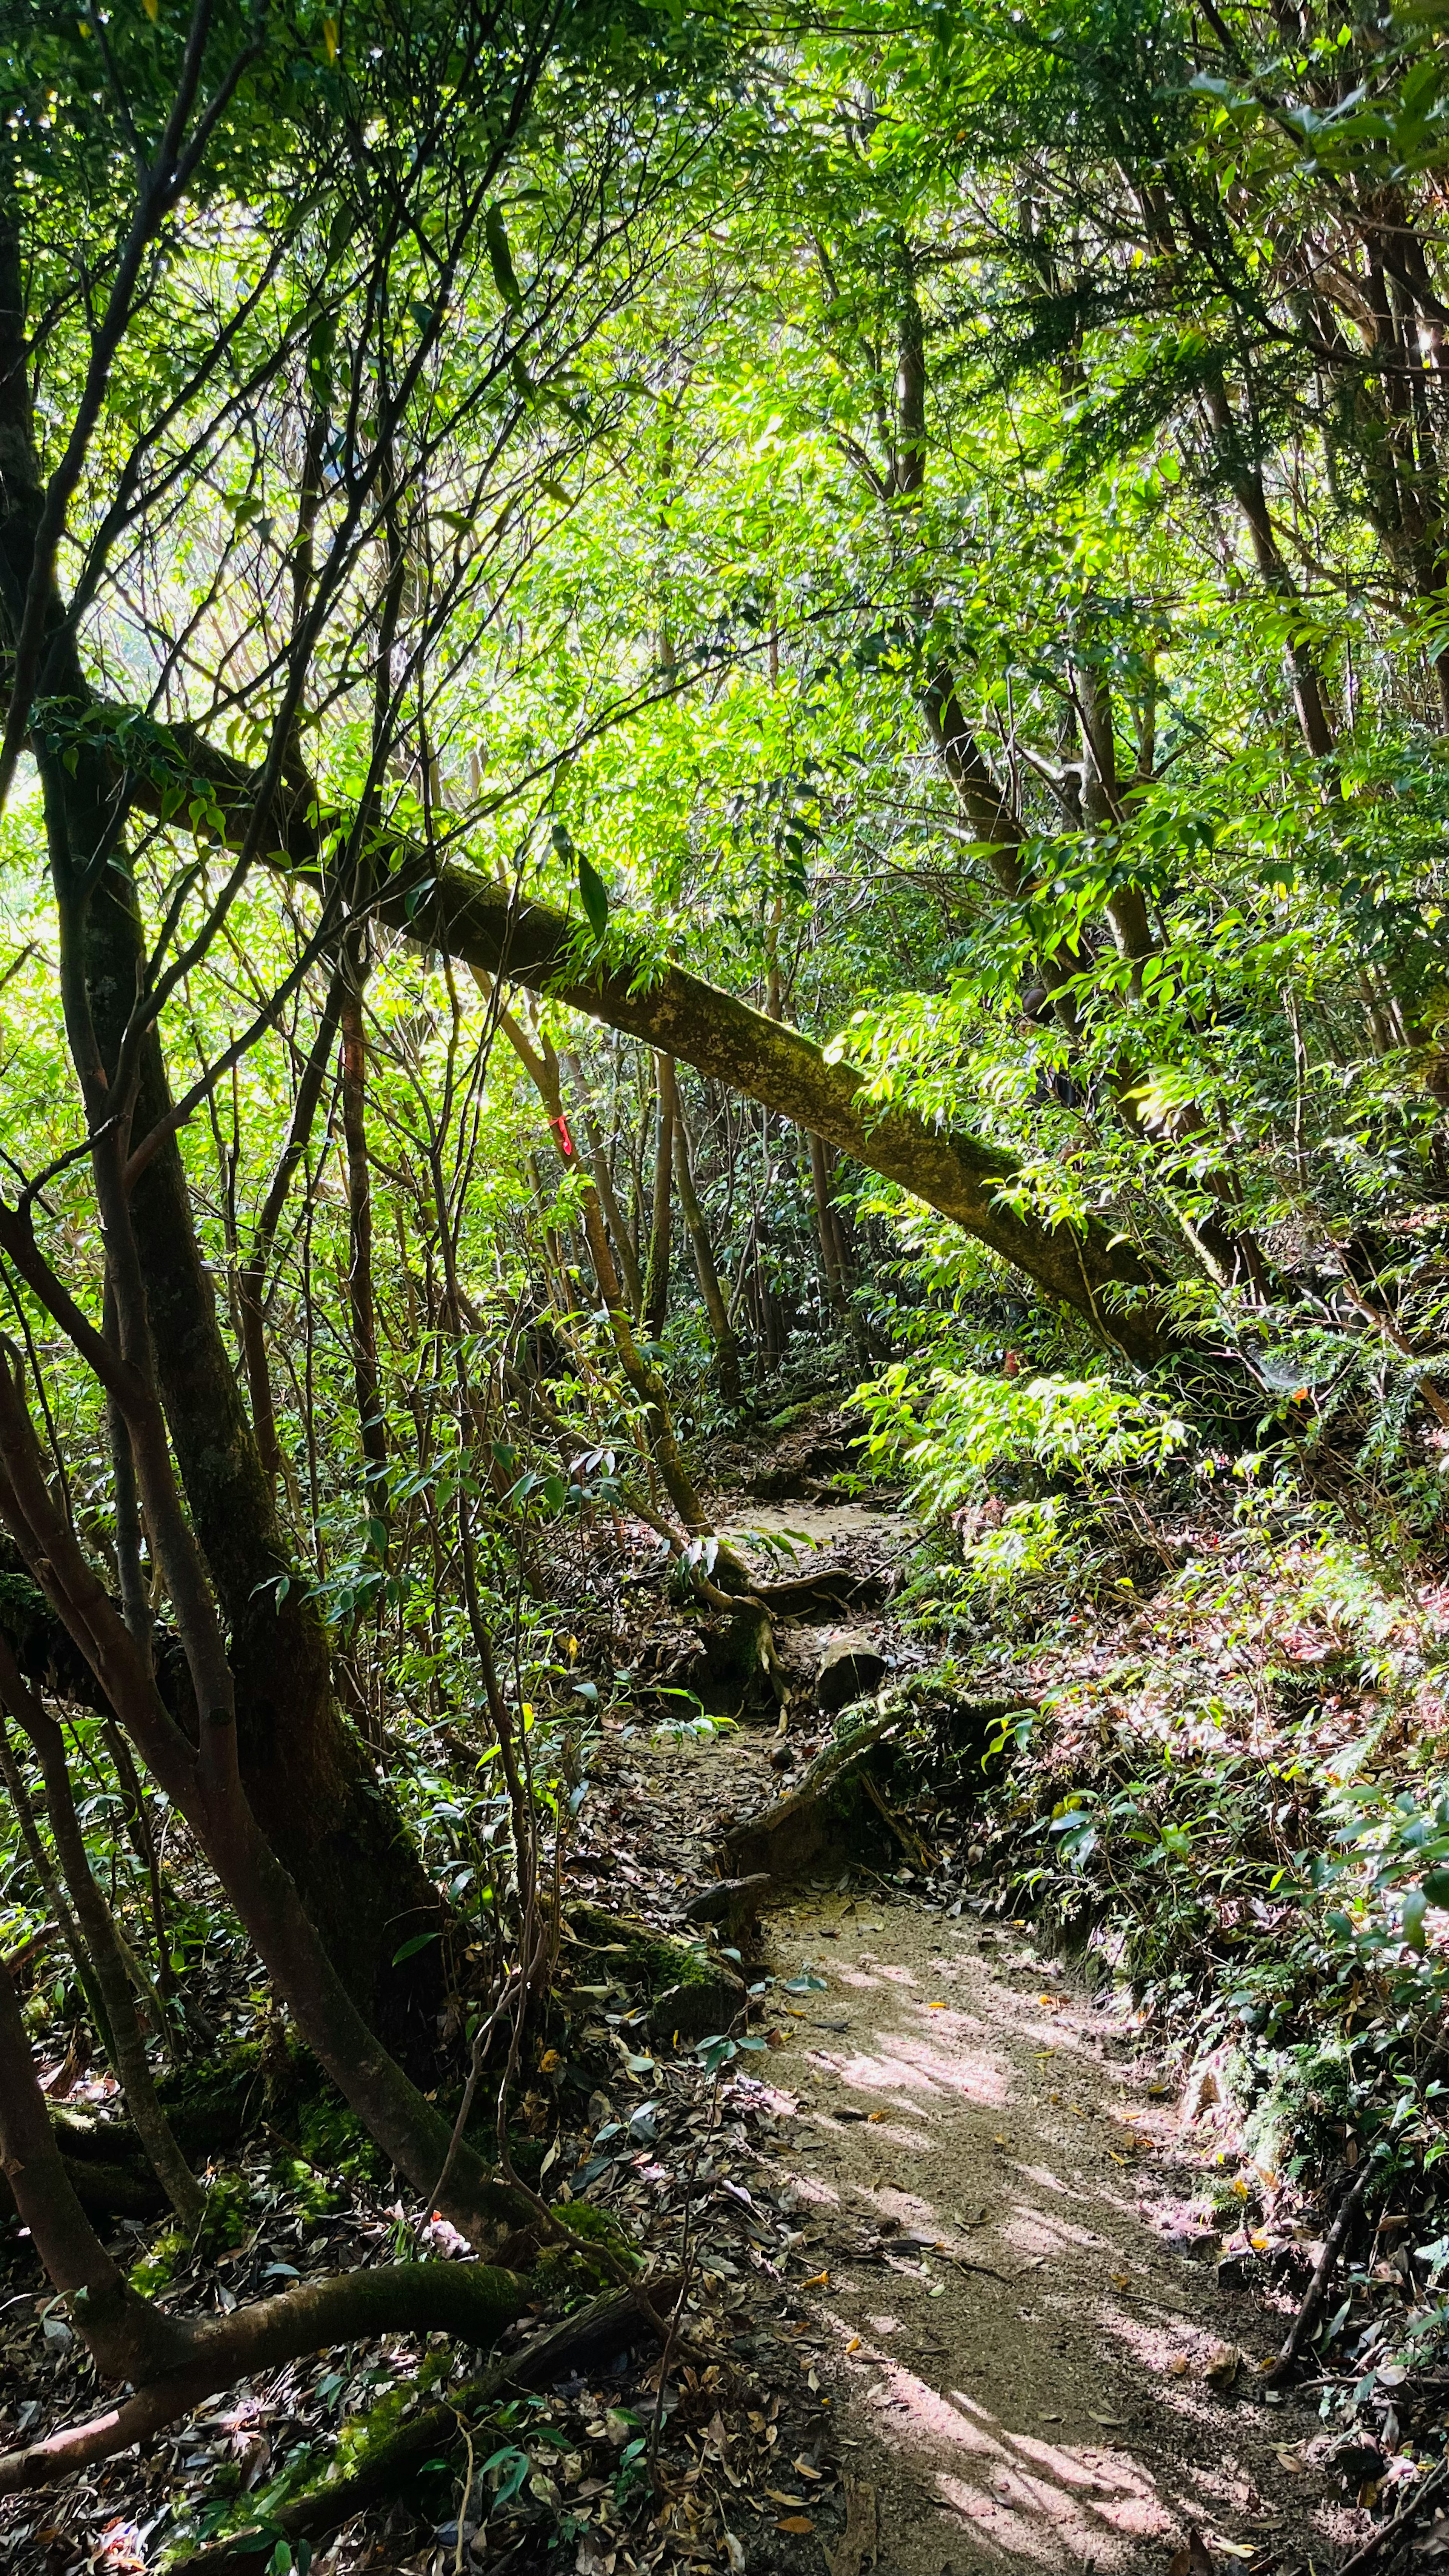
x,y
313,1790
311,1786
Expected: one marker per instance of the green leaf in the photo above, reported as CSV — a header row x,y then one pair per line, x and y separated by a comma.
x,y
500,259
1416,1906
595,896
1435,1883
411,1948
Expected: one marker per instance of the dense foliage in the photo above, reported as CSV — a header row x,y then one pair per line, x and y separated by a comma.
x,y
704,704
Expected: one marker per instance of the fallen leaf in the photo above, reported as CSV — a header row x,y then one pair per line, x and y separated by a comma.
x,y
817,2281
854,2344
1115,2421
1192,2559
1178,2367
938,2007
1224,2362
875,2115
1121,2280
796,2522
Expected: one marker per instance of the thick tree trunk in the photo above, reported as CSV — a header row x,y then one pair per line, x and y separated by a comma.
x,y
315,1794
311,1785
1089,1266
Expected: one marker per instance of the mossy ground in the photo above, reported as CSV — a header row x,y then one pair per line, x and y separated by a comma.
x,y
645,1960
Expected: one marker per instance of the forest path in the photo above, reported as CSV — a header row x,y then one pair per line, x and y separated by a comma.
x,y
1017,2346
1014,2308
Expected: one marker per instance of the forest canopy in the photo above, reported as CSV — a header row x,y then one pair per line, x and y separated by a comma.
x,y
705,711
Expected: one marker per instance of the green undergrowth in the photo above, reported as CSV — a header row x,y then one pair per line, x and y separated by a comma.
x,y
558,2266
1224,1788
638,1956
226,2221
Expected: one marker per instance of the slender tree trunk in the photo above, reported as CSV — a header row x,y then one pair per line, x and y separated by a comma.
x,y
127,2048
721,1330
831,1263
619,1229
315,1792
202,1779
52,1888
173,2363
656,1272
252,1277
361,1303
129,2338
541,1065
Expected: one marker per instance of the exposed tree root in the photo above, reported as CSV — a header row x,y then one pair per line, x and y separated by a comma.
x,y
473,2300
820,1816
574,2342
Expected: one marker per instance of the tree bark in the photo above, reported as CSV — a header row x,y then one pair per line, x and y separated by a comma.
x,y
252,1281
316,1797
361,1304
200,1775
127,2048
620,1234
656,1271
541,1065
173,2363
721,1330
1089,1266
830,1250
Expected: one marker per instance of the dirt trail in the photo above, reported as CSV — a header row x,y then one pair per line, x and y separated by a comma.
x,y
1012,2308
1014,2311
1019,2350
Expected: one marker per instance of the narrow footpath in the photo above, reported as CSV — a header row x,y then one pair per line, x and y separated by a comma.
x,y
1014,2301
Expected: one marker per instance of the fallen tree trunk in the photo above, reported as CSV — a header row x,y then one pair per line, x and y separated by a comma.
x,y
1090,1267
473,2300
571,2345
104,2190
172,2363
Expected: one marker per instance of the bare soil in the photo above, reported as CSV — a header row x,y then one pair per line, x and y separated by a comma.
x,y
1015,2311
